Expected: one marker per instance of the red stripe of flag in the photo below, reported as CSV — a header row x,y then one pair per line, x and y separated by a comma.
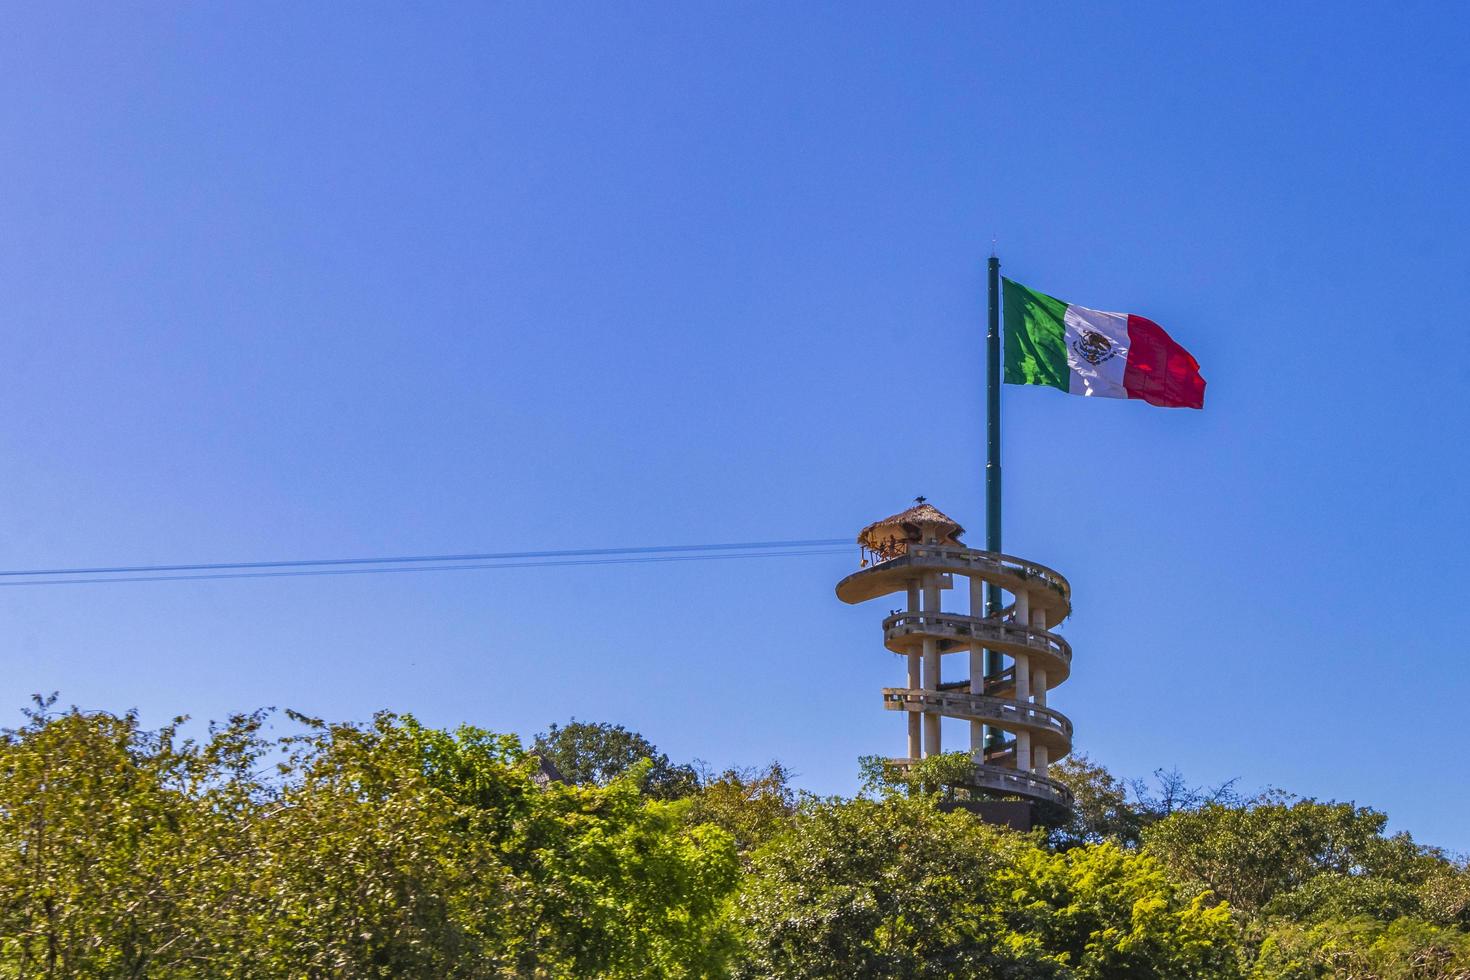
x,y
1160,371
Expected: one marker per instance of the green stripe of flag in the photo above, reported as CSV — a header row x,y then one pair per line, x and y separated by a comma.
x,y
1035,351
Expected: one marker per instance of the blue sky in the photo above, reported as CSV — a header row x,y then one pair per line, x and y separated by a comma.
x,y
281,281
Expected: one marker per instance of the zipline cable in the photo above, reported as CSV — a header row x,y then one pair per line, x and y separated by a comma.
x,y
405,559
425,563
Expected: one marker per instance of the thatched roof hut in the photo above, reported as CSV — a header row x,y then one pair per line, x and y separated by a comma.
x,y
920,524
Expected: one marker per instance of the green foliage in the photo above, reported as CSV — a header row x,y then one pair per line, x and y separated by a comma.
x,y
750,805
899,888
396,850
1098,911
1102,810
1320,890
389,850
115,843
1444,893
1282,855
594,754
945,775
1404,949
886,889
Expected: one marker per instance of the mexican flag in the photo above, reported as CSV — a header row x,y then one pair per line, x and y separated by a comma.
x,y
1088,352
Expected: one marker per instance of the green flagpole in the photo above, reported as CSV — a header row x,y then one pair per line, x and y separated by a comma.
x,y
993,666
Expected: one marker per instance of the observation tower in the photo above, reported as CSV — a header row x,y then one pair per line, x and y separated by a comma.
x,y
1009,658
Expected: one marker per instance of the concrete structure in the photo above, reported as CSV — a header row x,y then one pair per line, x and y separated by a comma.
x,y
1013,735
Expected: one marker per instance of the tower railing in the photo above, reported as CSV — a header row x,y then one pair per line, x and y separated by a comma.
x,y
1014,734
1008,782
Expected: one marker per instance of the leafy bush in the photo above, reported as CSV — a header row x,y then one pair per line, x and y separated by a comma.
x,y
900,888
387,850
395,850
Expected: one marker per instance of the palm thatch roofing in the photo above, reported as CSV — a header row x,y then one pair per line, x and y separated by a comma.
x,y
908,526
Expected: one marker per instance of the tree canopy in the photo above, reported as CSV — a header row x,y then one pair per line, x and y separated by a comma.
x,y
284,846
596,753
384,850
902,888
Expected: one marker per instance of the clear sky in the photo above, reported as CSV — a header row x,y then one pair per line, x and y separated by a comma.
x,y
283,280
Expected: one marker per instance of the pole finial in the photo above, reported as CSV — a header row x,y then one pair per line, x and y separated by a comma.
x,y
993,240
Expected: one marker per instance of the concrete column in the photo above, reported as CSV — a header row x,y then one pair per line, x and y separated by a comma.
x,y
1023,662
931,667
931,683
977,667
1039,760
1023,750
1038,686
931,594
915,719
916,722
931,734
1023,608
977,652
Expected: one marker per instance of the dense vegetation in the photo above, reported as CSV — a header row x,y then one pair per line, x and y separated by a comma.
x,y
396,850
